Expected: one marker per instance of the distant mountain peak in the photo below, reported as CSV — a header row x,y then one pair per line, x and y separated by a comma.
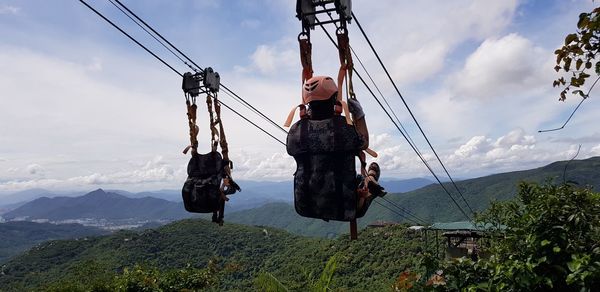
x,y
99,204
100,193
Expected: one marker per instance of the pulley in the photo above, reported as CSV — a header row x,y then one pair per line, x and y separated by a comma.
x,y
307,11
207,81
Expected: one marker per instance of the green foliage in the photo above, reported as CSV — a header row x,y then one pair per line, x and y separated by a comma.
x,y
430,202
268,283
18,236
151,279
550,243
578,54
140,278
323,284
238,253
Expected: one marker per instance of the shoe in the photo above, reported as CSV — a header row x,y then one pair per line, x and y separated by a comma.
x,y
376,190
374,170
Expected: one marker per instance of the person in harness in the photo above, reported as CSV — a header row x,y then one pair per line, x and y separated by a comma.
x,y
209,175
324,146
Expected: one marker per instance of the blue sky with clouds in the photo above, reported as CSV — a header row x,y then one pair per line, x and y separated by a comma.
x,y
83,107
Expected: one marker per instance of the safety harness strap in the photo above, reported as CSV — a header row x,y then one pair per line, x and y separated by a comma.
x,y
305,56
222,137
213,130
191,114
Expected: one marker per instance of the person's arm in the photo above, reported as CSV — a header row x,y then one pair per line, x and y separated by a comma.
x,y
359,121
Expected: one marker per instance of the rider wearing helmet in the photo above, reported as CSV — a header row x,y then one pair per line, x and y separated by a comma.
x,y
320,94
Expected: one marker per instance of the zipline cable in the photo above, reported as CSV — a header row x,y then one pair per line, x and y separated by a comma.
x,y
227,90
171,67
422,221
401,132
221,102
130,37
410,111
574,111
249,121
153,36
395,212
379,91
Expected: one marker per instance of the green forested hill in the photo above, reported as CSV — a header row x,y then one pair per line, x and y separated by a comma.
x,y
430,202
240,252
18,236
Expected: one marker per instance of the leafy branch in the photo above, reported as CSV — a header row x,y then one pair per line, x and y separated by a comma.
x,y
578,55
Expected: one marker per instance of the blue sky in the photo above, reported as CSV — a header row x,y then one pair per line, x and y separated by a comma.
x,y
84,107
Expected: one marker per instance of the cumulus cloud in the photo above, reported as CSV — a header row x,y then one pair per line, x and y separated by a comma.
x,y
272,59
502,67
478,155
427,41
485,154
154,171
276,166
595,151
34,169
421,63
104,109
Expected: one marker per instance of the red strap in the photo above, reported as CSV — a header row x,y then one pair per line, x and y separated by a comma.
x,y
306,59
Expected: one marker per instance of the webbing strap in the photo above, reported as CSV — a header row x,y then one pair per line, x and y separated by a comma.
x,y
306,58
290,117
213,130
191,114
345,58
222,137
227,179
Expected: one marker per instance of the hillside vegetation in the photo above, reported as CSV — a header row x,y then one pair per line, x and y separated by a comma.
x,y
18,236
237,253
430,202
544,240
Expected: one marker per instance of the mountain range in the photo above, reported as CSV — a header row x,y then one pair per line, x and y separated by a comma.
x,y
430,203
98,205
265,203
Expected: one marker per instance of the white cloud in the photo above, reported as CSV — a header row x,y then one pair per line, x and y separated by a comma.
x,y
418,45
595,151
9,9
501,67
154,171
476,145
420,64
484,154
276,166
272,59
102,121
34,169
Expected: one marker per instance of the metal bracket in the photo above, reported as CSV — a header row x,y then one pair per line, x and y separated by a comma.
x,y
307,10
207,81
